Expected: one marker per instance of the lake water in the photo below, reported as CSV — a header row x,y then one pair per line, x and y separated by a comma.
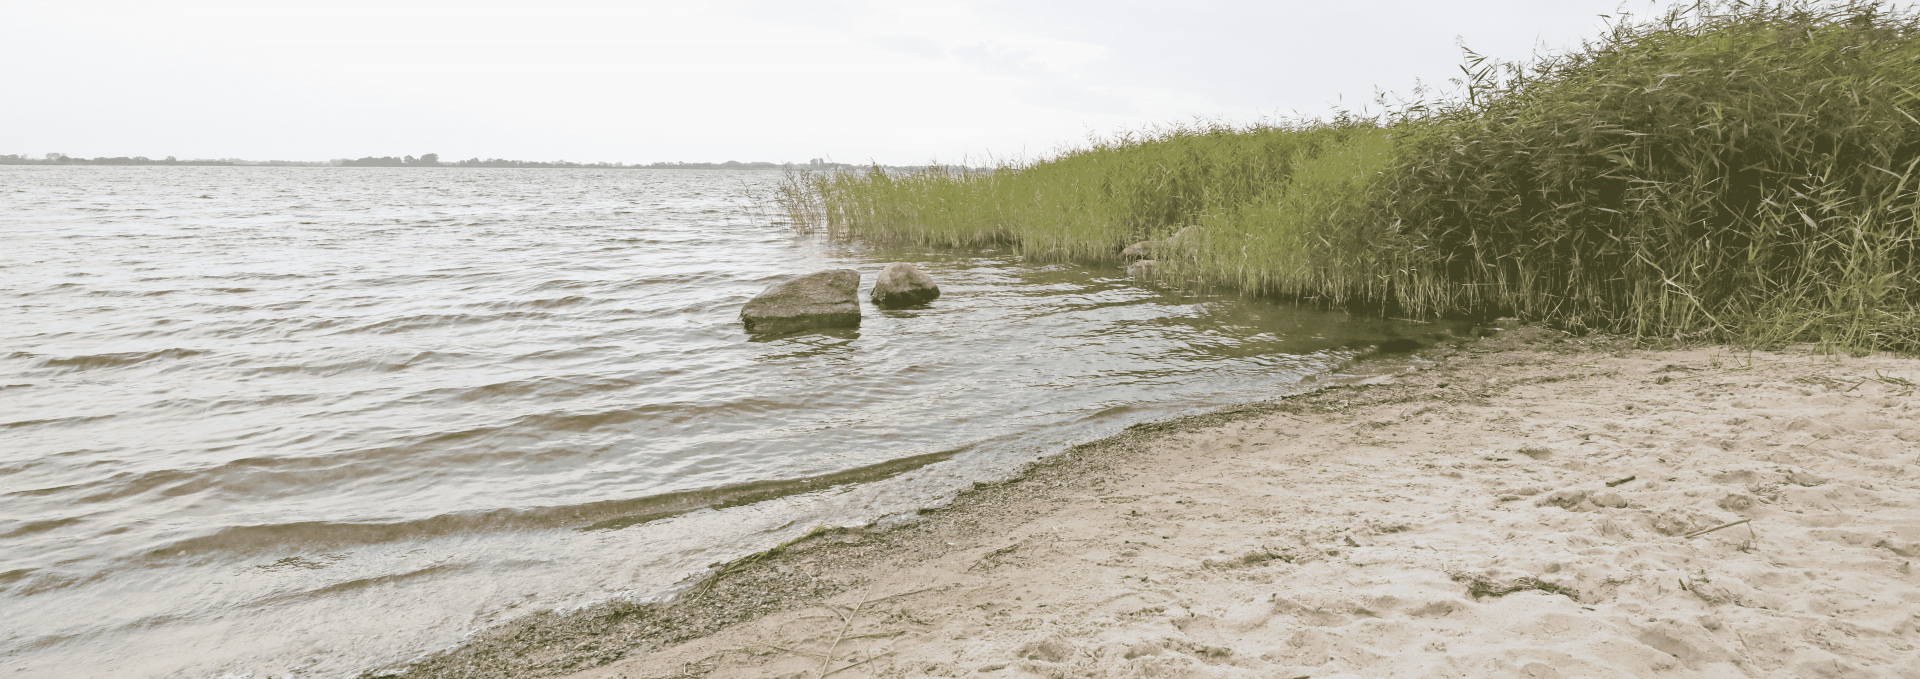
x,y
313,421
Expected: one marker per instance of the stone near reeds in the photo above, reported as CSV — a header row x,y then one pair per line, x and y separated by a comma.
x,y
1150,249
1142,250
903,285
824,299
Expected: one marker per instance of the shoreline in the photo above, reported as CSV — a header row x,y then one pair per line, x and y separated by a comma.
x,y
1504,511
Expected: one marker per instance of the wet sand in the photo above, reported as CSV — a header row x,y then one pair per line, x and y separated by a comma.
x,y
1531,505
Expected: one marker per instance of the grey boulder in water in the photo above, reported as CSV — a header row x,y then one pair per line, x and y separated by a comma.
x,y
902,285
823,299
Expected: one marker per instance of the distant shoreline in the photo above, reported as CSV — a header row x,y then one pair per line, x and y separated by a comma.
x,y
323,166
431,162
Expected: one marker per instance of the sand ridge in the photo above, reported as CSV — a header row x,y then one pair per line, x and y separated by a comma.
x,y
1529,506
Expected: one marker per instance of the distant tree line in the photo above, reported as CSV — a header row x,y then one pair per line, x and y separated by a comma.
x,y
64,159
433,160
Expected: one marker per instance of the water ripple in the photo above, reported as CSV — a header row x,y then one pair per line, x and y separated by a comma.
x,y
270,406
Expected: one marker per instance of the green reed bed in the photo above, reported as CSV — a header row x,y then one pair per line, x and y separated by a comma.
x,y
1730,171
1083,203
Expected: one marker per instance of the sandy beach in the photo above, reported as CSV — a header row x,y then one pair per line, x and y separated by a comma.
x,y
1529,505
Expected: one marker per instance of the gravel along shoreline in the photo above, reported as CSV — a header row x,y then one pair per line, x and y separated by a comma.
x,y
1529,505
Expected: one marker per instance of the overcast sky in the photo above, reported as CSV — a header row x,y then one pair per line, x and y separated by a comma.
x,y
783,80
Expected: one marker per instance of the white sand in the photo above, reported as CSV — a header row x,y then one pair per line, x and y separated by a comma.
x,y
1378,531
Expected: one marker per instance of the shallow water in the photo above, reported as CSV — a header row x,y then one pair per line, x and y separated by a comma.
x,y
317,420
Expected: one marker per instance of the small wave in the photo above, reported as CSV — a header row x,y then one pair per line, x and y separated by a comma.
x,y
47,581
249,477
546,388
562,285
202,405
559,354
672,412
54,421
32,527
284,327
351,585
435,276
1113,411
259,276
379,364
35,491
129,293
220,310
89,362
301,563
8,578
604,515
427,321
129,483
555,303
715,278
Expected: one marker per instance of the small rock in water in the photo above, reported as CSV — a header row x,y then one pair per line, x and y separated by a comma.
x,y
902,285
824,299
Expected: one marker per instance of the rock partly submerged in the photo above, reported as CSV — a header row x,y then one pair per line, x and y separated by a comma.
x,y
823,299
903,285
